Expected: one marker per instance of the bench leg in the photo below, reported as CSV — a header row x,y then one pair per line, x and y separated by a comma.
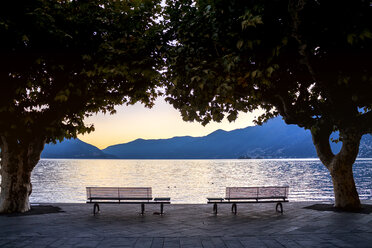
x,y
142,208
234,208
279,204
95,206
215,208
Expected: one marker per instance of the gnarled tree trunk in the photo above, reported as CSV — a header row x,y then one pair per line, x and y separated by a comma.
x,y
18,158
340,165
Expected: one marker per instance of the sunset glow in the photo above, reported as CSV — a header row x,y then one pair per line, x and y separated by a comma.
x,y
160,122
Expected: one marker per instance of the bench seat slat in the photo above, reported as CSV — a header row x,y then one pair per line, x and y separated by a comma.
x,y
256,192
230,202
120,199
119,192
139,202
256,198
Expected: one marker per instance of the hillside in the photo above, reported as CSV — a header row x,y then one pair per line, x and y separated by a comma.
x,y
72,148
274,139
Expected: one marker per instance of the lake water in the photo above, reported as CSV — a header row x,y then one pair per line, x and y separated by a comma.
x,y
190,181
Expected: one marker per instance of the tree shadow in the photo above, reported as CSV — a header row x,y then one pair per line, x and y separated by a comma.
x,y
365,209
37,210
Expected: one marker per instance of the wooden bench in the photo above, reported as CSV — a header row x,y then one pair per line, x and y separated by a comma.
x,y
235,195
123,195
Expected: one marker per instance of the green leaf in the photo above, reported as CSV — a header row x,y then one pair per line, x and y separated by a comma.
x,y
269,71
350,38
25,38
239,44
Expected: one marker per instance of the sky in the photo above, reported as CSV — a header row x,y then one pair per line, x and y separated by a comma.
x,y
160,122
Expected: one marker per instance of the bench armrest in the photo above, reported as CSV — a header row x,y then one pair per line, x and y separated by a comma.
x,y
162,199
215,199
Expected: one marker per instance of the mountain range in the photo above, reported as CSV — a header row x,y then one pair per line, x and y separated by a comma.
x,y
274,139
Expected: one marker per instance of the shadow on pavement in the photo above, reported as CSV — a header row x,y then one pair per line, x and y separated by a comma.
x,y
36,210
366,209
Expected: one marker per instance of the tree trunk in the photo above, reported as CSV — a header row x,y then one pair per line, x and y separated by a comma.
x,y
341,165
346,195
17,162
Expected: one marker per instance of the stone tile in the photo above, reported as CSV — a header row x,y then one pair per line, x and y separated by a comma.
x,y
288,243
190,242
252,242
272,243
207,243
157,243
88,243
118,242
4,241
218,242
143,243
233,243
171,243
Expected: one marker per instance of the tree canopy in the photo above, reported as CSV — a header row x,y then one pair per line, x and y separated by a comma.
x,y
306,60
61,61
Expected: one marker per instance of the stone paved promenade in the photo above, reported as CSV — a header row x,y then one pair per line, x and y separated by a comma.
x,y
189,226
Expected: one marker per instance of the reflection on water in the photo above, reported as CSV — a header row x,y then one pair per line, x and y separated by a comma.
x,y
189,181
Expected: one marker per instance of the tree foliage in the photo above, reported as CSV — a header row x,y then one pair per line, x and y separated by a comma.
x,y
61,61
308,61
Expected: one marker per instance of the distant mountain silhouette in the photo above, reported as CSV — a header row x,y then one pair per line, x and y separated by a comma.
x,y
274,139
72,148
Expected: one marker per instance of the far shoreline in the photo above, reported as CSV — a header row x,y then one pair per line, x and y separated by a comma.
x,y
238,159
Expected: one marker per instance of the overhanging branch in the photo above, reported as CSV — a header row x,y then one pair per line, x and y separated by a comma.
x,y
365,122
320,137
290,113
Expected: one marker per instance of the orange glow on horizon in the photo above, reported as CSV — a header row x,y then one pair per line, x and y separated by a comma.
x,y
160,122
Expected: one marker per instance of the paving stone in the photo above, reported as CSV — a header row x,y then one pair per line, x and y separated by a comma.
x,y
207,243
190,242
313,243
233,243
218,243
288,243
171,243
252,242
157,243
4,241
40,241
88,243
143,243
272,243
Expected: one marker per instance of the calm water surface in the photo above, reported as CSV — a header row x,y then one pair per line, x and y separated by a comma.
x,y
189,181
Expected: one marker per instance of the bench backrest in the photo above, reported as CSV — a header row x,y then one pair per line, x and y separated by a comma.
x,y
119,193
256,192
